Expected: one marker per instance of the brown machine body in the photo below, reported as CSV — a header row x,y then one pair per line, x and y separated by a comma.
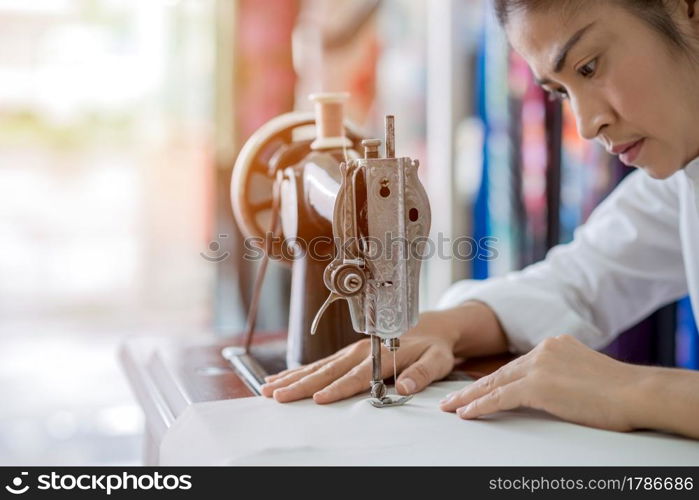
x,y
308,195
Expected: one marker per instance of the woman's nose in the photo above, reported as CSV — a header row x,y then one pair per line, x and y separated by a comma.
x,y
592,115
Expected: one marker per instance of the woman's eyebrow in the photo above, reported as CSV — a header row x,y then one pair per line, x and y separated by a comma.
x,y
560,59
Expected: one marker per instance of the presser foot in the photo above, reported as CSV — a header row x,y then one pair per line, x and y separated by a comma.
x,y
379,399
392,400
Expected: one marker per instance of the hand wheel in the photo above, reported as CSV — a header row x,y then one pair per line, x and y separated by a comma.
x,y
272,147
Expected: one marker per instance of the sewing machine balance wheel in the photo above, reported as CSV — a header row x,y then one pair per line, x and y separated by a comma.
x,y
279,143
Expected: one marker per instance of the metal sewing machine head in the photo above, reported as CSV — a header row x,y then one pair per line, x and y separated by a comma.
x,y
376,216
381,216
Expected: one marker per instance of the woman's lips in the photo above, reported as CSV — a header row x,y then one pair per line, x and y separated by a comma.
x,y
630,154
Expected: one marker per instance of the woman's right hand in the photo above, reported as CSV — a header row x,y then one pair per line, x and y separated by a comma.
x,y
427,353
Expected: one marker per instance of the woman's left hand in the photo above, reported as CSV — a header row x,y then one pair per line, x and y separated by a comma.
x,y
561,376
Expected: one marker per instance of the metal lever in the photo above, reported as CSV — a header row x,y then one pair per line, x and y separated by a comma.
x,y
331,298
345,280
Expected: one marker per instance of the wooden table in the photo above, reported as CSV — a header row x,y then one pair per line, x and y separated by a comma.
x,y
169,374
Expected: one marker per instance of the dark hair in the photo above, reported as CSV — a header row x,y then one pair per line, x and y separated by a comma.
x,y
653,12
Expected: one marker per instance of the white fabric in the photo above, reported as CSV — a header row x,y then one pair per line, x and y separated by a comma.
x,y
639,250
260,431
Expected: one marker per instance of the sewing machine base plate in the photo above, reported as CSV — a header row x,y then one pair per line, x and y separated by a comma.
x,y
261,361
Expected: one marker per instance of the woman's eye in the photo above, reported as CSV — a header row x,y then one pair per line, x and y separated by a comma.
x,y
588,69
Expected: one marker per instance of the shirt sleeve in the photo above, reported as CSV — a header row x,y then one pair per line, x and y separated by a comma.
x,y
622,264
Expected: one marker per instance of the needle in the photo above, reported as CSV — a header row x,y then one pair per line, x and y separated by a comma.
x,y
395,378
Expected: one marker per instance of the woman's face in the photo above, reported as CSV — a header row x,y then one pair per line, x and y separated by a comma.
x,y
627,86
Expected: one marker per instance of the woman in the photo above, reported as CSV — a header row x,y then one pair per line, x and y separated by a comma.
x,y
630,69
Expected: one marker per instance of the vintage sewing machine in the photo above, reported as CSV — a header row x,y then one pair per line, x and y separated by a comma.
x,y
347,220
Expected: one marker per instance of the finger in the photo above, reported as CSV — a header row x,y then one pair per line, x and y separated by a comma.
x,y
293,376
505,397
306,368
313,382
432,365
509,373
312,366
271,378
358,379
278,375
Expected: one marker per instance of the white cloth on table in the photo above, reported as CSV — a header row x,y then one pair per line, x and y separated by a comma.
x,y
260,431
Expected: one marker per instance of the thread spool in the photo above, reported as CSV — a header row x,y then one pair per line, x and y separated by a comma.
x,y
371,148
330,127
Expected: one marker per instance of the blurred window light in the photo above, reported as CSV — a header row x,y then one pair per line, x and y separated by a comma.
x,y
105,123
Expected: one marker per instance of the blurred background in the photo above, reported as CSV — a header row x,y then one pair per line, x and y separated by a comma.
x,y
120,121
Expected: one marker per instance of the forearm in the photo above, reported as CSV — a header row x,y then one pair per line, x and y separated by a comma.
x,y
667,399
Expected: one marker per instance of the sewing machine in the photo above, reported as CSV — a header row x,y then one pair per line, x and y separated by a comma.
x,y
349,222
288,187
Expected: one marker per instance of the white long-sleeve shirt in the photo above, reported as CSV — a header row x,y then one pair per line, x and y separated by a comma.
x,y
638,250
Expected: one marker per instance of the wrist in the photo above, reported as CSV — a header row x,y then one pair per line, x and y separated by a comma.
x,y
642,399
440,326
476,330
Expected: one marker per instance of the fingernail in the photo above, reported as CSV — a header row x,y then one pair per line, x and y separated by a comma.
x,y
464,410
408,385
447,399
